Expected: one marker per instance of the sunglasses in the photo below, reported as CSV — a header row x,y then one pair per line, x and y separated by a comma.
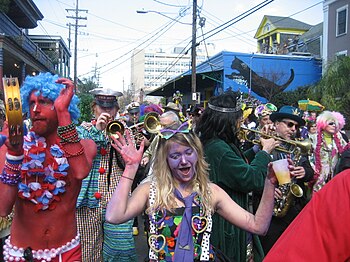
x,y
290,124
168,133
331,124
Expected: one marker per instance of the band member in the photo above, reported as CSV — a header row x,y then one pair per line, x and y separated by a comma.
x,y
133,113
286,122
41,177
109,242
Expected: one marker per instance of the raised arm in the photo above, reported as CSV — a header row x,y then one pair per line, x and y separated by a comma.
x,y
238,216
79,153
122,208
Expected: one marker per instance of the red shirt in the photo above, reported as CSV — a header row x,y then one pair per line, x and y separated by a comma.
x,y
321,232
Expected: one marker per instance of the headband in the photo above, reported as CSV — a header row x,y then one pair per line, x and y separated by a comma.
x,y
225,109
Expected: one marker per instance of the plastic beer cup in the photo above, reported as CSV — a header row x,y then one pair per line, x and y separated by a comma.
x,y
280,167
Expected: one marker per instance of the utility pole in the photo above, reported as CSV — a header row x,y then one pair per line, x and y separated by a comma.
x,y
77,18
193,52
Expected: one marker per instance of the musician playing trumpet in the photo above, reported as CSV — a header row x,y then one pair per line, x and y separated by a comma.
x,y
110,242
286,126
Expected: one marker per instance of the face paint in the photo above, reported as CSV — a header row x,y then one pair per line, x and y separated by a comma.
x,y
182,162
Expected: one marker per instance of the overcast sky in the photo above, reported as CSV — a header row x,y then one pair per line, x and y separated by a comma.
x,y
114,28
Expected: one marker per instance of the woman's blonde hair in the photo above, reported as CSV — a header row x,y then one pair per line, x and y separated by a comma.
x,y
165,182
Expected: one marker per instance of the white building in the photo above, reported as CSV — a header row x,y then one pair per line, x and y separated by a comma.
x,y
152,68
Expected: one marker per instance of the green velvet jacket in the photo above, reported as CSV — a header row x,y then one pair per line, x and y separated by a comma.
x,y
230,170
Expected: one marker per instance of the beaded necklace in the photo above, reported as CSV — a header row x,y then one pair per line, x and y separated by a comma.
x,y
160,237
46,192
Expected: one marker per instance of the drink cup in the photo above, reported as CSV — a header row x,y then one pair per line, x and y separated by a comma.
x,y
280,167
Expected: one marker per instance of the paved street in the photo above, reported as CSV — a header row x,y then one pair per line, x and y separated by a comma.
x,y
141,243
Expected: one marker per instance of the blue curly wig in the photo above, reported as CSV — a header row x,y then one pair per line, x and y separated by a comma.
x,y
45,85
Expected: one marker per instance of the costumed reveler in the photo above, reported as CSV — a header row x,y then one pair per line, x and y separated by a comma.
x,y
110,242
180,199
42,174
328,146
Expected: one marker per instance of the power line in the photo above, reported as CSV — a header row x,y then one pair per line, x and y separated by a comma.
x,y
77,18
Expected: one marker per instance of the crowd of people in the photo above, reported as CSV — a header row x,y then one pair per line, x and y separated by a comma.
x,y
203,179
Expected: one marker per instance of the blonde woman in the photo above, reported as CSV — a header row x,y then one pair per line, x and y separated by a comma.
x,y
180,199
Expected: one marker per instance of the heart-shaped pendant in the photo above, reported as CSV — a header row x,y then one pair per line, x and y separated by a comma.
x,y
155,240
199,224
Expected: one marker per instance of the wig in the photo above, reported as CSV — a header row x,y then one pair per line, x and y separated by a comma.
x,y
326,116
165,181
223,125
321,122
45,84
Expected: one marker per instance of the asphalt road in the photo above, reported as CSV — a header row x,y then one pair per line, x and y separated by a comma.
x,y
141,243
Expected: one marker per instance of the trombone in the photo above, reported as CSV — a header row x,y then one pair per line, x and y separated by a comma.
x,y
304,146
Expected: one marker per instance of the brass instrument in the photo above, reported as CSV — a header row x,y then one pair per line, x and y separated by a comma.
x,y
290,190
13,109
113,127
303,146
150,124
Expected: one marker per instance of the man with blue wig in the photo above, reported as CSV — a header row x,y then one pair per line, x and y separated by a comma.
x,y
41,176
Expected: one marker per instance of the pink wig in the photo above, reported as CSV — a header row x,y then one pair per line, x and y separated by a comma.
x,y
326,116
322,121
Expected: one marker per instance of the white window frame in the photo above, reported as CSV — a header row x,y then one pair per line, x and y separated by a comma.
x,y
346,20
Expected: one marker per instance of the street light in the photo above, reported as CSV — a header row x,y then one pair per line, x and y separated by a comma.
x,y
193,48
162,14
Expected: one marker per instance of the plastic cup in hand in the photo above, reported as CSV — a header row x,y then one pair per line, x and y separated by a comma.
x,y
280,167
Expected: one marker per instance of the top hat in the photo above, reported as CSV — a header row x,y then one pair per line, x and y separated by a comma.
x,y
289,112
106,97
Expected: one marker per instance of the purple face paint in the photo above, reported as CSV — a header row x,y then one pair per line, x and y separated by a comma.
x,y
182,161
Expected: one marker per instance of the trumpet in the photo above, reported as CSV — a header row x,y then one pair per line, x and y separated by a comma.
x,y
295,147
290,190
150,124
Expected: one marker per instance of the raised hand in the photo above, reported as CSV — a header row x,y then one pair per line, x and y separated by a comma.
x,y
127,149
63,100
102,121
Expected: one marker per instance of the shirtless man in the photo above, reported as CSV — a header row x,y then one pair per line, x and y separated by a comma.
x,y
41,179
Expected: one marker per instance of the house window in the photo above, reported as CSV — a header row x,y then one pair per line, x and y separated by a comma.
x,y
342,17
267,27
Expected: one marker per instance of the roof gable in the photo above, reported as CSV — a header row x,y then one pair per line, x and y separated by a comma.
x,y
269,23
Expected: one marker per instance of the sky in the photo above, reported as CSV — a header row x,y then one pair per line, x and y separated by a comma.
x,y
113,29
